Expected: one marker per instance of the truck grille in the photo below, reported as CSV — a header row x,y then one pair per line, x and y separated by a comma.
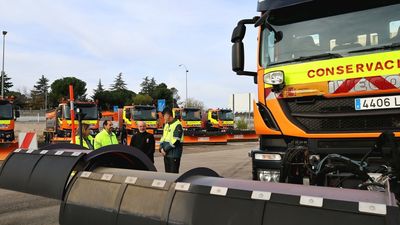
x,y
338,115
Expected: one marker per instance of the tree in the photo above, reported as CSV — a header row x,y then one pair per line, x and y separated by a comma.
x,y
39,93
108,99
119,83
99,89
148,86
191,102
60,90
176,97
142,99
163,92
20,99
7,83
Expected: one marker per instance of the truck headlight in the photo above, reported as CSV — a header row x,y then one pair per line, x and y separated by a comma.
x,y
269,156
274,78
268,175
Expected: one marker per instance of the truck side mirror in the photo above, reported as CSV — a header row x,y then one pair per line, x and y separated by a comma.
x,y
100,115
238,56
59,113
17,113
238,48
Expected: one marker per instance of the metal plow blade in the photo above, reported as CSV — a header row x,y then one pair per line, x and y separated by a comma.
x,y
101,194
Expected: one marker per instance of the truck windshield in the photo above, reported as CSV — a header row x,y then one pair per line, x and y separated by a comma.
x,y
144,114
191,114
225,115
6,111
341,33
90,111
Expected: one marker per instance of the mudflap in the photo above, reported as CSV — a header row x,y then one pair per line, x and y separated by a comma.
x,y
6,148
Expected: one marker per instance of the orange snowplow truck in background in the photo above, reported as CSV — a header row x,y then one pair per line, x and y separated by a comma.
x,y
328,79
132,114
8,115
58,121
218,119
189,117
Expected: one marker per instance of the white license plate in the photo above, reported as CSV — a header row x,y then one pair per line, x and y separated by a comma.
x,y
386,102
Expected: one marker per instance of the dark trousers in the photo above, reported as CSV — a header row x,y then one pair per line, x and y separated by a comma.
x,y
172,164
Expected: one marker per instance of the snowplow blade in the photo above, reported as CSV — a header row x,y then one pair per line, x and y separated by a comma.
x,y
7,148
39,172
104,195
204,137
46,172
110,196
242,135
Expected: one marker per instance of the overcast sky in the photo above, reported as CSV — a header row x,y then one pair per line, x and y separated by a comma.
x,y
94,40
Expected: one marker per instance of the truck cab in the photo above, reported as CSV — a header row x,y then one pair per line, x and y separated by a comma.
x,y
189,117
328,80
8,115
59,123
132,114
219,120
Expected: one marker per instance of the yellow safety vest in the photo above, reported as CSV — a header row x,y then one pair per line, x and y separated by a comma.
x,y
168,133
104,138
78,141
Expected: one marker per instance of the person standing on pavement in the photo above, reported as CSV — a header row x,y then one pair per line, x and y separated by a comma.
x,y
87,139
106,136
144,141
171,143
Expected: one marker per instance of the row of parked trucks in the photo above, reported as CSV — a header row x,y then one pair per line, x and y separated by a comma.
x,y
212,126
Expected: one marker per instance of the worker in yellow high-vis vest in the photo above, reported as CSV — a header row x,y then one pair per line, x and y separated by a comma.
x,y
171,143
87,139
106,136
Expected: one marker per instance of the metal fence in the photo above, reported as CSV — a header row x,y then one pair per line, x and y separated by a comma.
x,y
32,115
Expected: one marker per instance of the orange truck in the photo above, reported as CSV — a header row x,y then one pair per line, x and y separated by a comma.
x,y
218,119
193,127
8,115
135,113
58,121
328,81
189,117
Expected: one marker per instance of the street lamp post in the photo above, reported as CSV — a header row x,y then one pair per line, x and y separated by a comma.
x,y
2,67
186,71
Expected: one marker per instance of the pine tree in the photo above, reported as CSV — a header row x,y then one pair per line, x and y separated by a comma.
x,y
40,92
119,83
99,88
7,83
98,91
148,86
42,85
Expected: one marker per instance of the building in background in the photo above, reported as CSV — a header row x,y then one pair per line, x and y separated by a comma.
x,y
241,103
242,106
